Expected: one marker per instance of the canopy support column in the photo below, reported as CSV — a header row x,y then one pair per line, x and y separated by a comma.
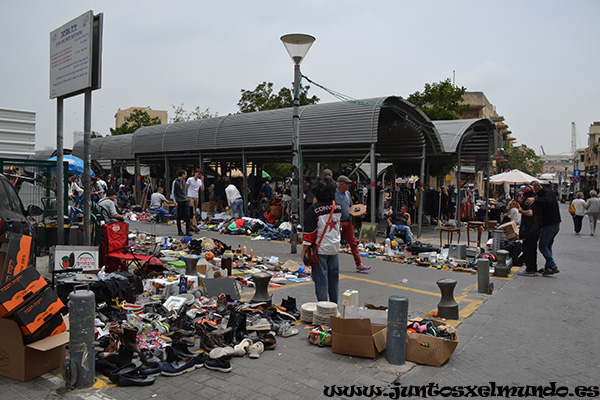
x,y
421,190
373,203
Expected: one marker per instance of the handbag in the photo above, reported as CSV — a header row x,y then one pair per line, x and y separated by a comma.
x,y
311,258
572,209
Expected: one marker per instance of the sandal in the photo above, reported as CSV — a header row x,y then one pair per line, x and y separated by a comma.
x,y
547,272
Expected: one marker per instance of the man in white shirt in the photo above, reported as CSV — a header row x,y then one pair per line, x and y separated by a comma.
x,y
192,187
234,198
156,201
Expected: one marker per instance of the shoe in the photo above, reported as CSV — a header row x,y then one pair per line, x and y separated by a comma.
x,y
362,268
201,359
241,349
220,352
179,233
188,234
286,330
135,380
255,350
547,272
527,273
153,370
269,343
130,369
260,325
220,364
554,269
179,367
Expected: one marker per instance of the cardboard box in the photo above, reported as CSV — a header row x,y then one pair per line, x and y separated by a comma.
x,y
377,316
510,229
357,337
15,253
210,206
39,310
50,327
438,350
19,290
24,362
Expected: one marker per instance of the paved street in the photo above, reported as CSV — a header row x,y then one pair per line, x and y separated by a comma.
x,y
530,331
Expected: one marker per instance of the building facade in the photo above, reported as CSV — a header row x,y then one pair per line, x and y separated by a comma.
x,y
123,115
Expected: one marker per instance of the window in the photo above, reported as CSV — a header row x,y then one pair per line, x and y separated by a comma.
x,y
12,198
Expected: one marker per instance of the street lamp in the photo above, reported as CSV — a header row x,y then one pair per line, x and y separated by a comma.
x,y
297,45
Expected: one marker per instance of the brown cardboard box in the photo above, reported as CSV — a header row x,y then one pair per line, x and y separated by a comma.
x,y
210,206
34,314
438,351
20,289
510,229
25,362
14,255
357,337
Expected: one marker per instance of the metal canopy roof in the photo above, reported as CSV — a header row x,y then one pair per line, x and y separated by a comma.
x,y
473,136
340,130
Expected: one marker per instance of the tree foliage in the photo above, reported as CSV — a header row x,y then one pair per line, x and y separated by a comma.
x,y
136,120
441,101
262,98
180,114
522,158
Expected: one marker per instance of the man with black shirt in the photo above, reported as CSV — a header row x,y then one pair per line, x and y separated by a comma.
x,y
179,194
546,203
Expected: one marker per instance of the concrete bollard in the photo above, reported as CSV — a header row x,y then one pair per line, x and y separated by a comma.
x,y
447,307
395,351
483,277
501,268
261,282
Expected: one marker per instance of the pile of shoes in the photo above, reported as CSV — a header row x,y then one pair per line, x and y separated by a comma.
x,y
136,343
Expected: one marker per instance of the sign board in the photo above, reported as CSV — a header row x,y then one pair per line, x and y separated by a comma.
x,y
576,179
576,172
65,258
75,50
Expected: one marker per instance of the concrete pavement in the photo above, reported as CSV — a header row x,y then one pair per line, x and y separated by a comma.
x,y
529,331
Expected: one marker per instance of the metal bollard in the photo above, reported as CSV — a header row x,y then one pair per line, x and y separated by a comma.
x,y
501,269
483,277
447,307
261,281
80,370
396,330
190,264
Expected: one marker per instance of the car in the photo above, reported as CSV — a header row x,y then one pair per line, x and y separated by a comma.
x,y
13,217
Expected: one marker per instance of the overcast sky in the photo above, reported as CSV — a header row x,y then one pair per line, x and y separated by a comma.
x,y
538,62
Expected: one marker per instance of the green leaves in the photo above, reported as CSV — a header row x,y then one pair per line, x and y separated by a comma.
x,y
441,101
136,120
262,98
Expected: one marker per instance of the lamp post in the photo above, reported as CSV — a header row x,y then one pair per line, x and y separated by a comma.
x,y
297,45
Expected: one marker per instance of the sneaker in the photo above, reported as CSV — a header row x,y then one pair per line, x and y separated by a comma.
x,y
527,273
255,350
179,367
286,330
242,348
219,364
220,352
362,268
201,359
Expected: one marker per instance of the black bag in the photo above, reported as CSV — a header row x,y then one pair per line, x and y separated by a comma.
x,y
418,247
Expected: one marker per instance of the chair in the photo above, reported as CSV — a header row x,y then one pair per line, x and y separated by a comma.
x,y
115,251
476,226
450,231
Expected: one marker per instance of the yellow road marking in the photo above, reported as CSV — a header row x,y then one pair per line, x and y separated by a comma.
x,y
390,285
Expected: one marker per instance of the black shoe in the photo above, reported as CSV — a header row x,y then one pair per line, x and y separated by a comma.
x,y
201,359
179,367
220,364
188,234
179,233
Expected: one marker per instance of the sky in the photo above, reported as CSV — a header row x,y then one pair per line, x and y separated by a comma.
x,y
537,62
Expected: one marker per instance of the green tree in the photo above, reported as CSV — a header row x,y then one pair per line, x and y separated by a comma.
x,y
522,158
136,120
262,98
441,101
180,114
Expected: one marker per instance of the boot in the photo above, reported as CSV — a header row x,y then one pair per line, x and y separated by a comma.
x,y
130,340
237,323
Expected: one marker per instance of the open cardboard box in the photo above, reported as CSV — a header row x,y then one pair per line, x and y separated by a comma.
x,y
357,337
436,353
20,289
24,362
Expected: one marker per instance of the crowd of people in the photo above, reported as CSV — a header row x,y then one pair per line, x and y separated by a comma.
x,y
580,207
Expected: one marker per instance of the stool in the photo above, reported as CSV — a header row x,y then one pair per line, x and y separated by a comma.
x,y
475,225
450,230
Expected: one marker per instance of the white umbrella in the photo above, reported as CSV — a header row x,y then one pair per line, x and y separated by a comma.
x,y
513,177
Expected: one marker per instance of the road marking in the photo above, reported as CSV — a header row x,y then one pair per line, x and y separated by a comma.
x,y
390,285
